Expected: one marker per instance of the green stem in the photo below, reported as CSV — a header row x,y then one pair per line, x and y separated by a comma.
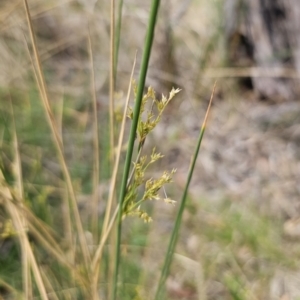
x,y
136,113
174,236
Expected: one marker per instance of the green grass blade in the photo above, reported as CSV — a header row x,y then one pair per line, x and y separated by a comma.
x,y
139,96
174,236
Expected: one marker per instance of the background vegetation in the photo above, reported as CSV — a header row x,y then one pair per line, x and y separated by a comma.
x,y
240,227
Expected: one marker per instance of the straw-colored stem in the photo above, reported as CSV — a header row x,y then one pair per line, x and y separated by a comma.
x,y
95,142
27,288
11,289
118,155
118,38
67,223
112,188
57,141
40,233
98,254
17,221
47,282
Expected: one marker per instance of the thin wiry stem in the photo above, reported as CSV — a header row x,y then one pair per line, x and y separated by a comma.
x,y
112,78
57,141
112,187
99,252
118,38
136,114
11,289
95,142
26,276
174,236
18,225
41,233
119,149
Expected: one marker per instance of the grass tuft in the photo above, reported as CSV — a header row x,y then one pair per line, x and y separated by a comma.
x,y
81,186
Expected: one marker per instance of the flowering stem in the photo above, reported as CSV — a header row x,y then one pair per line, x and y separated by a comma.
x,y
136,113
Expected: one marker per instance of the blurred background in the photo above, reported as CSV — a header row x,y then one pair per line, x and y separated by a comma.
x,y
241,230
